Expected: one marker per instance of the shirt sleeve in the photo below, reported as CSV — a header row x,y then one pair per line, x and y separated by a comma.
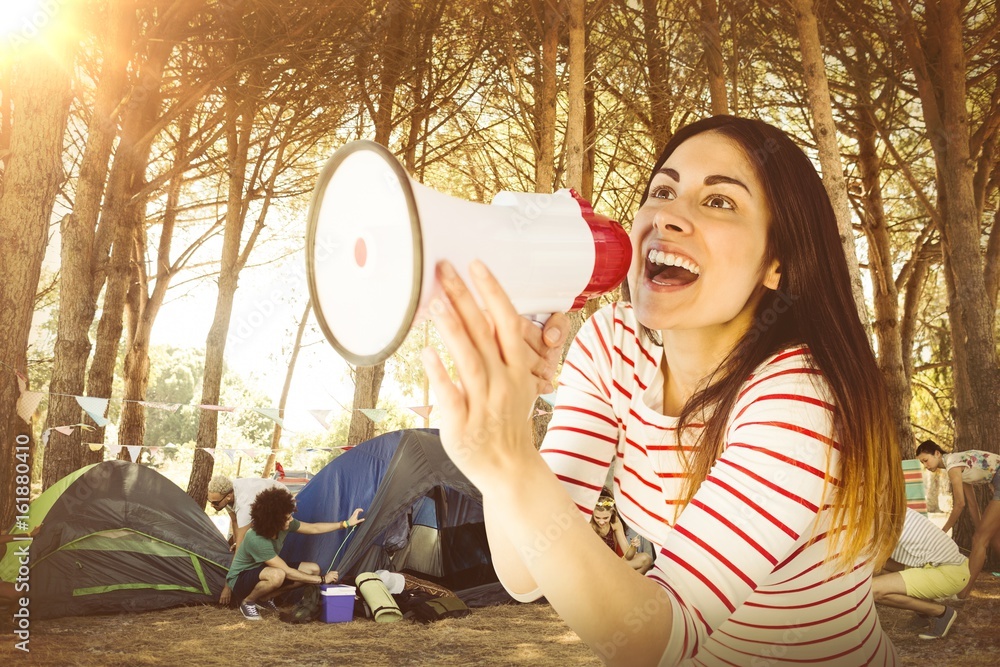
x,y
582,437
762,496
259,550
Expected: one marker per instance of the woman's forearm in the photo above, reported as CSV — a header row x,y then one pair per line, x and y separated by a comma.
x,y
559,551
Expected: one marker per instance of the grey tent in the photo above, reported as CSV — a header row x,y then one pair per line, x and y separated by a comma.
x,y
122,537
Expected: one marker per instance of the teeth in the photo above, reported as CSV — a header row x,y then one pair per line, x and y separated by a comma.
x,y
670,259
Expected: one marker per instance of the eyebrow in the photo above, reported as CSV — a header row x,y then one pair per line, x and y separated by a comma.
x,y
714,179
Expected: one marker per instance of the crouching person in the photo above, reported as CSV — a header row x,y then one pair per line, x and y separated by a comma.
x,y
258,573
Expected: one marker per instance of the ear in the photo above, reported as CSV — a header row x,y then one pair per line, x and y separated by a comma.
x,y
773,276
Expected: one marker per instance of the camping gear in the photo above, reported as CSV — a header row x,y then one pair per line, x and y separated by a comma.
x,y
378,598
338,603
122,537
438,609
422,516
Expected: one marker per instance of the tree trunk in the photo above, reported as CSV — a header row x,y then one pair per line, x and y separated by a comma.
x,y
660,109
545,97
239,122
276,437
77,300
911,301
368,380
144,306
576,116
41,97
886,297
825,130
940,77
712,39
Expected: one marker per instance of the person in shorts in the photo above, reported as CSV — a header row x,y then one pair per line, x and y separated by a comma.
x,y
258,573
933,568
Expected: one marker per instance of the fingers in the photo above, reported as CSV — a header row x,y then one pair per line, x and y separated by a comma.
x,y
555,331
502,313
464,331
448,395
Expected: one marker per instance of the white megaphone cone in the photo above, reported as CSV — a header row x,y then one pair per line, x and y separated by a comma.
x,y
375,236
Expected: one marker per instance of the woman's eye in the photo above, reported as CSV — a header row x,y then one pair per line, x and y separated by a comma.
x,y
718,201
662,192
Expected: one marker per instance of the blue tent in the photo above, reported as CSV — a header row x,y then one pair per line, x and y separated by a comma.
x,y
422,516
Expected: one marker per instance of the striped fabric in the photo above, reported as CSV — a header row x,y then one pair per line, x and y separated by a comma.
x,y
913,476
745,584
922,543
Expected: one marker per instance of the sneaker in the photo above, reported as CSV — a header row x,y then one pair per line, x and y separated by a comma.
x,y
249,611
268,606
940,625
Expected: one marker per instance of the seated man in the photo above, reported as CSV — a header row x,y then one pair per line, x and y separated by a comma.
x,y
258,573
934,568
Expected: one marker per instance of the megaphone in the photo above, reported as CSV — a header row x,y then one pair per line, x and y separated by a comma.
x,y
375,236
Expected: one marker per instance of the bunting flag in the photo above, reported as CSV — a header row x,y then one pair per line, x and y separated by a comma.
x,y
154,450
95,446
252,453
169,407
27,403
320,416
423,410
95,408
549,398
231,453
272,414
217,408
539,412
134,451
377,415
209,450
45,437
66,430
114,449
22,382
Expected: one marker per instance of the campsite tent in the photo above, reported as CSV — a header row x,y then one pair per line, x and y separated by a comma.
x,y
422,516
121,537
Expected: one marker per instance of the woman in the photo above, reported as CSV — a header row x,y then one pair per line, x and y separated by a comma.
x,y
966,469
737,399
608,526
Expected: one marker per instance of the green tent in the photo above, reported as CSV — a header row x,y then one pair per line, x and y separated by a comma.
x,y
40,506
121,537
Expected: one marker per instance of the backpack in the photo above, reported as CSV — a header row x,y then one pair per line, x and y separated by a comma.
x,y
439,608
308,607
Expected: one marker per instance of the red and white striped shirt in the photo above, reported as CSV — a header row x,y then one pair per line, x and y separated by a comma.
x,y
745,585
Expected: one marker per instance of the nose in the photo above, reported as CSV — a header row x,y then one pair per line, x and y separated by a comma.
x,y
672,216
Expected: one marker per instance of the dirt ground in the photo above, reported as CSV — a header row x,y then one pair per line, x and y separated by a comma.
x,y
530,635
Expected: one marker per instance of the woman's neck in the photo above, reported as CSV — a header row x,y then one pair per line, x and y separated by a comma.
x,y
689,358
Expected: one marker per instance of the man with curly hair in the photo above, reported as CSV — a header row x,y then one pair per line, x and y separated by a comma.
x,y
258,573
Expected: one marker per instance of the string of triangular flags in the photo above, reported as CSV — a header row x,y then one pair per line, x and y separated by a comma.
x,y
96,407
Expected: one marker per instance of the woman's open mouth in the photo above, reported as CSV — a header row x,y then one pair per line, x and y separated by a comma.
x,y
670,270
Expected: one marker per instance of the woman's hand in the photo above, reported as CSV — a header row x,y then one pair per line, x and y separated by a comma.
x,y
354,520
226,595
547,344
485,414
331,577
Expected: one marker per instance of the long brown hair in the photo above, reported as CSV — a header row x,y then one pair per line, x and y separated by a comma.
x,y
813,305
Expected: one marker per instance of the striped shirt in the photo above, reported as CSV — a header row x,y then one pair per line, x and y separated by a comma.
x,y
922,543
745,585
